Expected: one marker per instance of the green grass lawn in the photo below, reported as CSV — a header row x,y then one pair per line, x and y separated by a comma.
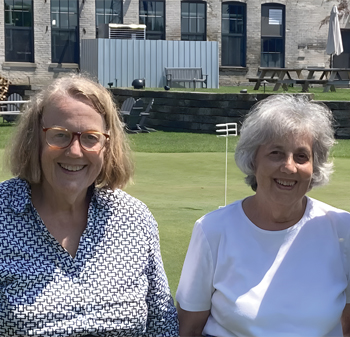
x,y
341,94
181,187
180,176
179,142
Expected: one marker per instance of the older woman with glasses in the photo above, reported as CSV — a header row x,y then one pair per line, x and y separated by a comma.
x,y
78,256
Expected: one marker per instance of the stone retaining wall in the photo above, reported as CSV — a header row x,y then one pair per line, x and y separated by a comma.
x,y
341,113
200,112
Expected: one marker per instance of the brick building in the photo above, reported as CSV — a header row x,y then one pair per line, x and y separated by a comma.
x,y
40,39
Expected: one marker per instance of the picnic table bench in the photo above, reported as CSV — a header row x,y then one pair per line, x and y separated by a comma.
x,y
276,75
337,77
265,74
185,74
258,80
285,77
330,78
305,83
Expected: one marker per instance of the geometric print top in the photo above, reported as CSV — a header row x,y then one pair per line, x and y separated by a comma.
x,y
114,286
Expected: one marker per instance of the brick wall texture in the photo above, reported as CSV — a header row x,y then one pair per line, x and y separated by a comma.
x,y
305,41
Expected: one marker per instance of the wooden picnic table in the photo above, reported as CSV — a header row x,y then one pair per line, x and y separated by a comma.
x,y
328,77
285,77
264,76
279,76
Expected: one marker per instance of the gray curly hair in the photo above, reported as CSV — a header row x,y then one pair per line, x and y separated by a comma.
x,y
278,116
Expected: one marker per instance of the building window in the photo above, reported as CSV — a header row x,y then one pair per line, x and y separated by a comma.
x,y
272,35
233,30
152,14
193,21
19,31
64,31
109,11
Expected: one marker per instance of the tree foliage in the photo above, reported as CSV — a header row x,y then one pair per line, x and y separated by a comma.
x,y
343,9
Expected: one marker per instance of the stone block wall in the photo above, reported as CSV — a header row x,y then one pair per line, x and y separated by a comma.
x,y
193,112
200,112
341,113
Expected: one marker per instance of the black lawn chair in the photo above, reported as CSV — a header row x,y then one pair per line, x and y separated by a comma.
x,y
144,116
132,119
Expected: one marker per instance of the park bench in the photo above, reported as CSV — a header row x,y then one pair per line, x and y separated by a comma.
x,y
185,74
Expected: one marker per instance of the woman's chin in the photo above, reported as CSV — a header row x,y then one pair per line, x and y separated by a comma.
x,y
69,190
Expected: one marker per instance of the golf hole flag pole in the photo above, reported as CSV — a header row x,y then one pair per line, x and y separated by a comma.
x,y
226,130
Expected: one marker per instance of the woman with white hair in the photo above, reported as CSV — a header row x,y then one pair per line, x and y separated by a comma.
x,y
275,263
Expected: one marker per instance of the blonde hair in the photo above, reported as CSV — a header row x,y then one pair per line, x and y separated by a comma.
x,y
24,154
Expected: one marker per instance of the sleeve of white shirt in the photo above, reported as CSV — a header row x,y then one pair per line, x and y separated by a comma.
x,y
196,282
346,249
344,243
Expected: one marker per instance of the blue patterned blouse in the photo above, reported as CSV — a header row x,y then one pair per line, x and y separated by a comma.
x,y
114,286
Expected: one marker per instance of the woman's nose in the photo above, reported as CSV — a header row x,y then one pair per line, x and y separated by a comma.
x,y
74,149
289,166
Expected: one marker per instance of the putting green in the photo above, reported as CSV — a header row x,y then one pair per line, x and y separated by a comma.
x,y
181,187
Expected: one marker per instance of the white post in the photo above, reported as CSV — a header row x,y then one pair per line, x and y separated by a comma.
x,y
228,129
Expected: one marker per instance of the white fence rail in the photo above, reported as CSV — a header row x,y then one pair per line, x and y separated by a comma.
x,y
11,112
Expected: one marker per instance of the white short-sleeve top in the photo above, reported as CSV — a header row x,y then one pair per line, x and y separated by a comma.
x,y
255,282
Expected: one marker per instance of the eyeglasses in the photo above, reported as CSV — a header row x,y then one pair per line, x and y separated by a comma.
x,y
61,138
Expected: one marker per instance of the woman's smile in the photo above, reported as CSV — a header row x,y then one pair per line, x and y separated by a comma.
x,y
72,168
285,183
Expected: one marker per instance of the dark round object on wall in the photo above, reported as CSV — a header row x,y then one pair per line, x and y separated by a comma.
x,y
138,83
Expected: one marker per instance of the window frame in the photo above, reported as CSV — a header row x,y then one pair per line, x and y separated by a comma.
x,y
116,18
64,26
242,61
271,40
27,48
146,20
197,36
